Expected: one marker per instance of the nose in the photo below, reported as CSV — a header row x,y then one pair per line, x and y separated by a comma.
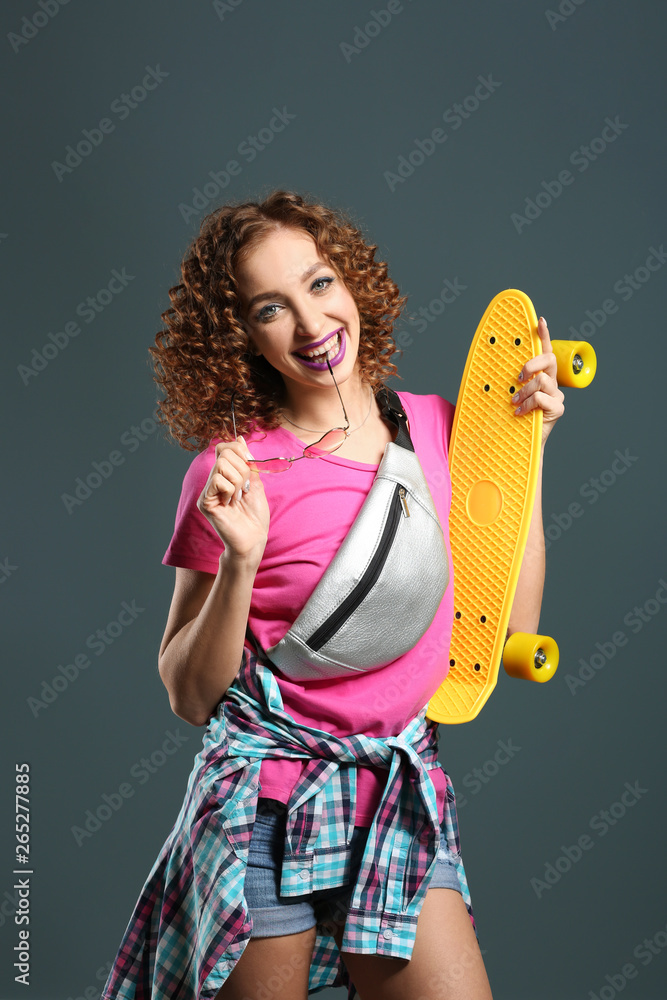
x,y
310,321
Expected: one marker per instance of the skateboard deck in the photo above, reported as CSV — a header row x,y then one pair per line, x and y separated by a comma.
x,y
494,462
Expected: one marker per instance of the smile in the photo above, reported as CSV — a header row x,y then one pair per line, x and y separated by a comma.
x,y
332,349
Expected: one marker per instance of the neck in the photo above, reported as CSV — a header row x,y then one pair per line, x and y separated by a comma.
x,y
318,407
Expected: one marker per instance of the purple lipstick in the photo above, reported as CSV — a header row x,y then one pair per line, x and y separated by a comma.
x,y
321,365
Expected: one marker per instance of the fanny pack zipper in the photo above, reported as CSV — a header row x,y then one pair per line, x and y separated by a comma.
x,y
329,627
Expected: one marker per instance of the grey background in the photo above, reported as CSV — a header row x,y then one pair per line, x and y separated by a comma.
x,y
65,575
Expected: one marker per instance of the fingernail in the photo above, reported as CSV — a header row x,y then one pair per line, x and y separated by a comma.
x,y
543,319
518,409
228,501
515,397
521,375
246,486
248,455
239,494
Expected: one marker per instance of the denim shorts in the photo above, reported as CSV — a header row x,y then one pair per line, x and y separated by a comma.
x,y
273,915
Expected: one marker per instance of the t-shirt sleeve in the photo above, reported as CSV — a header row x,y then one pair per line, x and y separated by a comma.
x,y
195,543
446,413
434,416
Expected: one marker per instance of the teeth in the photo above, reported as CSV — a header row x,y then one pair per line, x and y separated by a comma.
x,y
330,347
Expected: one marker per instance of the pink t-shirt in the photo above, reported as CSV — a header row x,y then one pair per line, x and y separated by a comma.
x,y
312,507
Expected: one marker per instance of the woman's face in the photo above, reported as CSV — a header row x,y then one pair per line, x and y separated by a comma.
x,y
297,311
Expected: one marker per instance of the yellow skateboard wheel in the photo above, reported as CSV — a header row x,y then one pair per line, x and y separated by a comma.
x,y
530,657
577,362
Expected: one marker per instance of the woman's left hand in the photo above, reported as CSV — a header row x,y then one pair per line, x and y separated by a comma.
x,y
539,387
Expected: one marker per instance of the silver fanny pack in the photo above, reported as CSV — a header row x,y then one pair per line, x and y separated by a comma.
x,y
383,587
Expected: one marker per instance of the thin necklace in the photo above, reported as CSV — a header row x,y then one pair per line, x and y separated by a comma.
x,y
370,406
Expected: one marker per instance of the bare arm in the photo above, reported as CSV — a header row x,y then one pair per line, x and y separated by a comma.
x,y
539,389
525,613
201,650
202,647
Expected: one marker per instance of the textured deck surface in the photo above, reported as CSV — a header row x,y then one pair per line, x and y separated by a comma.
x,y
494,460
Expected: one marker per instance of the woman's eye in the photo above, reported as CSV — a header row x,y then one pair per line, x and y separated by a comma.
x,y
264,315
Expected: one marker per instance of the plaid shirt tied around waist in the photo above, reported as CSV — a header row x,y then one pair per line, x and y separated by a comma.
x,y
191,922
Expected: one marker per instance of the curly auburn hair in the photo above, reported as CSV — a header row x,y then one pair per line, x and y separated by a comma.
x,y
205,353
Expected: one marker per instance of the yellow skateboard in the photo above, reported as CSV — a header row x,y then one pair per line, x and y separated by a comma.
x,y
494,461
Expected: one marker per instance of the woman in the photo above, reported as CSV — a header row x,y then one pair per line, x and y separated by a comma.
x,y
279,335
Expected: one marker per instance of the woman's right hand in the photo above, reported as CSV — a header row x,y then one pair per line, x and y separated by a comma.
x,y
234,501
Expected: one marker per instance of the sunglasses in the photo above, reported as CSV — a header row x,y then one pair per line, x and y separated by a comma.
x,y
330,442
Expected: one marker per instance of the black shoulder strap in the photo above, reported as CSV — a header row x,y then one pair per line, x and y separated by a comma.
x,y
392,410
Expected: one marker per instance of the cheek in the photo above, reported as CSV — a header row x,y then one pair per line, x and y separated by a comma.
x,y
256,345
252,346
349,304
271,347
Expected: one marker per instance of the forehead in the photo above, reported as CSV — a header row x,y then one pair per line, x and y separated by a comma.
x,y
282,255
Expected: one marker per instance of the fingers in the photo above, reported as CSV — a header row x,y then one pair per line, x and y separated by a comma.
x,y
239,448
546,361
543,334
230,476
540,388
542,391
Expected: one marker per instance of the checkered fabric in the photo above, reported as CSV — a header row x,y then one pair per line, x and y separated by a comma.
x,y
191,922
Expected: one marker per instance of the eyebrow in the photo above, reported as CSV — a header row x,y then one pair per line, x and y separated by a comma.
x,y
272,295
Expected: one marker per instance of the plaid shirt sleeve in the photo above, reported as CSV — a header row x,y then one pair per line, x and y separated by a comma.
x,y
191,923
